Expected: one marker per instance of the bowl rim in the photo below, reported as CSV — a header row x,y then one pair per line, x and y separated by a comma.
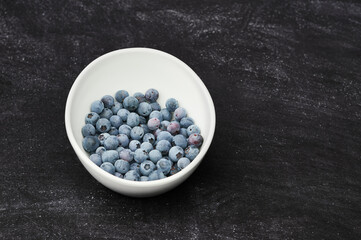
x,y
165,181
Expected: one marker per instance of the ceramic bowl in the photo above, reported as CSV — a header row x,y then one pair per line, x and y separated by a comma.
x,y
136,70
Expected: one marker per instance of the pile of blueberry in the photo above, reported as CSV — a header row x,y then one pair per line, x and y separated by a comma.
x,y
131,137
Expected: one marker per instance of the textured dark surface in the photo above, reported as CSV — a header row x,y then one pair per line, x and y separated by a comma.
x,y
285,79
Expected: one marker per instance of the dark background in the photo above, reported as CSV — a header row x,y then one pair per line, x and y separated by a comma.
x,y
285,79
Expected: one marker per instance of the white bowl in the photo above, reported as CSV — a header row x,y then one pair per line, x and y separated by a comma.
x,y
136,70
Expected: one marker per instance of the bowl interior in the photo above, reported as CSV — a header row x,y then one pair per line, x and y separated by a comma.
x,y
137,70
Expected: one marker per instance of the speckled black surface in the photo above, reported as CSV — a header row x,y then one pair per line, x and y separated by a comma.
x,y
285,79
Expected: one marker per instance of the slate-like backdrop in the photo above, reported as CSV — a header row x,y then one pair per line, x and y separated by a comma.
x,y
286,82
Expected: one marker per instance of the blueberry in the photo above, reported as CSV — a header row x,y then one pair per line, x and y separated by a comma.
x,y
163,146
156,114
144,178
110,156
135,166
126,155
123,114
146,167
151,95
140,96
175,153
121,95
183,131
133,119
107,113
100,150
102,137
130,103
148,137
166,114
113,131
183,162
156,132
193,129
121,166
191,152
90,143
153,123
134,145
155,155
96,158
147,146
117,106
111,143
140,155
195,139
137,133
88,130
108,101
132,175
142,120
108,167
145,128
179,140
180,113
144,109
119,175
156,174
116,121
103,125
125,129
173,127
119,149
171,104
123,140
164,135
164,165
92,118
186,122
174,169
163,125
97,106
155,106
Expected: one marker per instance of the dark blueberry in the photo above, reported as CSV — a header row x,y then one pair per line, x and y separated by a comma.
x,y
97,106
140,96
121,95
96,158
132,176
166,114
108,167
110,156
171,104
186,122
121,166
90,143
130,103
175,153
151,95
107,113
113,131
144,109
155,106
103,125
146,167
117,106
92,118
88,130
148,137
108,101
